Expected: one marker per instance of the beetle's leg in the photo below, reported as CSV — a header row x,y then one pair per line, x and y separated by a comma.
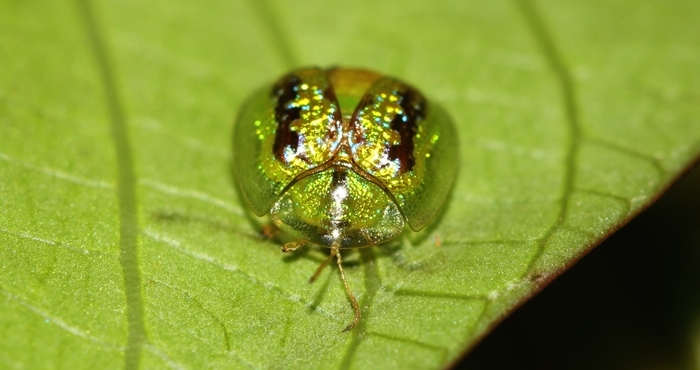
x,y
292,246
323,265
355,306
335,252
269,231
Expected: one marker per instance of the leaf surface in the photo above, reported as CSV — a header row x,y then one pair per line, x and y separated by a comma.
x,y
122,237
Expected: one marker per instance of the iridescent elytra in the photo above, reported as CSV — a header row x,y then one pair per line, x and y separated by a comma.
x,y
342,158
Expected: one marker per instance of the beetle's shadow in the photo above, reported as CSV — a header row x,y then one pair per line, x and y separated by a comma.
x,y
318,298
182,217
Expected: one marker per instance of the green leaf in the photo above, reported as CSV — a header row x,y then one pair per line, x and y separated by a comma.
x,y
124,242
632,302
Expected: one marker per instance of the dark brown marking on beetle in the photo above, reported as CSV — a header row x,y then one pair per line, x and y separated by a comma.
x,y
406,124
329,93
339,178
285,91
367,100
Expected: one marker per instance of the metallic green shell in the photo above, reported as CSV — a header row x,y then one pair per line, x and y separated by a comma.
x,y
420,178
262,172
338,205
289,134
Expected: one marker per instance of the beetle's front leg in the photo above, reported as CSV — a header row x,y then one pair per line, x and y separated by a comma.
x,y
292,246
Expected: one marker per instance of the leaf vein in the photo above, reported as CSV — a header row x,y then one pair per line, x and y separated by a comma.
x,y
410,341
440,295
56,173
126,191
631,153
560,70
625,202
177,246
193,298
22,235
194,194
277,34
48,318
164,356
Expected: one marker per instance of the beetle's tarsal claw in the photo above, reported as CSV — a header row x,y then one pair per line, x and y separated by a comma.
x,y
292,246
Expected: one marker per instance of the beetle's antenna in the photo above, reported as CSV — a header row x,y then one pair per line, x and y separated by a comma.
x,y
355,306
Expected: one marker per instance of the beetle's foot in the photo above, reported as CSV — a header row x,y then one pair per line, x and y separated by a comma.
x,y
292,246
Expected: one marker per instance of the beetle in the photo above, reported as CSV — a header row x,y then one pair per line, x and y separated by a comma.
x,y
343,158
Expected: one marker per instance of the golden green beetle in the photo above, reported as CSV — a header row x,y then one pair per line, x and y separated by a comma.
x,y
342,158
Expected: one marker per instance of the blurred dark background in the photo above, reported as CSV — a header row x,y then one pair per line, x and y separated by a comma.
x,y
632,303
